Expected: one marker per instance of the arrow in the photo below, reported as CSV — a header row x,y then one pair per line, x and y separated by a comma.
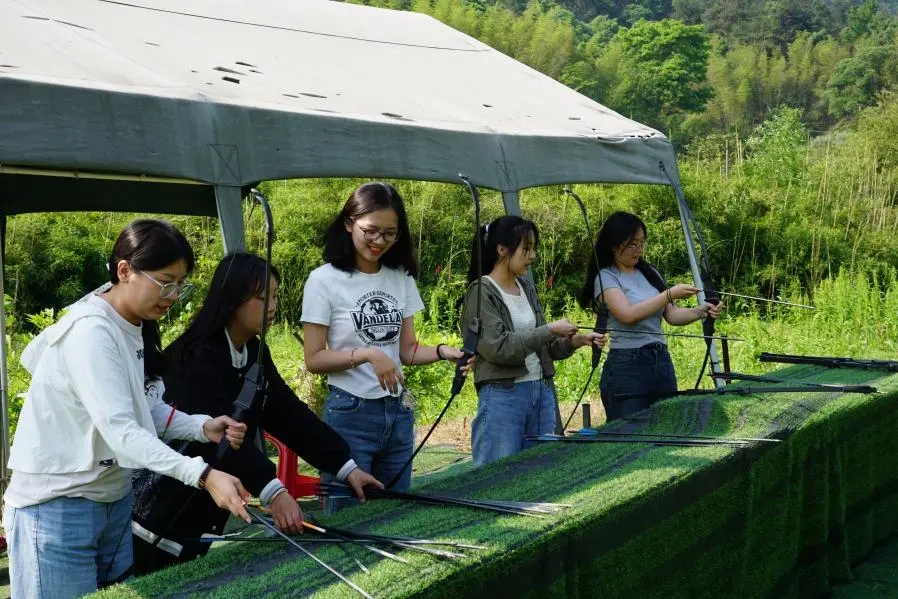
x,y
764,299
275,530
580,326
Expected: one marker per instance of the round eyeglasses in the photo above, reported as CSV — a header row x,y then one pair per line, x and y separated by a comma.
x,y
179,291
373,234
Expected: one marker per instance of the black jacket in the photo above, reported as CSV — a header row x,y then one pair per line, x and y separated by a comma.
x,y
208,384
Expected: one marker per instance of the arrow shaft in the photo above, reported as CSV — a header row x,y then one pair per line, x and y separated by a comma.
x,y
640,441
762,299
326,566
626,332
672,436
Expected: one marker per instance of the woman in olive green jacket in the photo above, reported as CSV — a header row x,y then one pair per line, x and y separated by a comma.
x,y
513,371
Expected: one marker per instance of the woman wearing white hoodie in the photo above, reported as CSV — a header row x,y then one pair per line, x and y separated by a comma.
x,y
87,421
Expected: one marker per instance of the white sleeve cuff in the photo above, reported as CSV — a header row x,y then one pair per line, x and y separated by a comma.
x,y
190,472
199,433
268,492
347,468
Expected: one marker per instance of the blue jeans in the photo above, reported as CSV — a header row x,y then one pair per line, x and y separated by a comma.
x,y
505,414
67,547
647,373
380,433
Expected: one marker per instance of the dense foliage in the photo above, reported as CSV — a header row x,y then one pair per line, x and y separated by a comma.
x,y
694,67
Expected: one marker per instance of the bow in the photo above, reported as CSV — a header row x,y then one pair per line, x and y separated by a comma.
x,y
784,387
702,271
711,296
310,486
472,335
599,307
831,362
810,385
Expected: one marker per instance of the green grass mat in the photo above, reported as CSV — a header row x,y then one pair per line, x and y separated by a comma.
x,y
876,578
784,520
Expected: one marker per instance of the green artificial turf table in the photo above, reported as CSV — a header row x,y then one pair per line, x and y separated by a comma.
x,y
770,520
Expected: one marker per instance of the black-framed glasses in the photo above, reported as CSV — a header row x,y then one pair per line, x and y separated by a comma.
x,y
180,291
373,234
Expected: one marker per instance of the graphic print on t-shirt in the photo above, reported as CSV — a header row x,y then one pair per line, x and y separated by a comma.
x,y
377,319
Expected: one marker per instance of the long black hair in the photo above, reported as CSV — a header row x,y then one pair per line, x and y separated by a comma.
x,y
510,231
150,244
370,197
618,228
238,277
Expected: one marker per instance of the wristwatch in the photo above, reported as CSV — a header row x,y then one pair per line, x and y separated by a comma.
x,y
204,476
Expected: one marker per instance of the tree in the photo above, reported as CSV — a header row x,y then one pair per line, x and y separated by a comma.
x,y
857,80
860,19
662,72
733,16
689,11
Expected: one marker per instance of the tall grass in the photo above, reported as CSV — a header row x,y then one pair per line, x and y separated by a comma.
x,y
855,316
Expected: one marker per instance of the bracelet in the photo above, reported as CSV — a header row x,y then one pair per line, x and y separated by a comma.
x,y
352,357
202,482
439,353
669,299
277,494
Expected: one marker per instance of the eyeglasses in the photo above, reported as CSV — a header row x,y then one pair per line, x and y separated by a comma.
x,y
180,291
373,234
636,245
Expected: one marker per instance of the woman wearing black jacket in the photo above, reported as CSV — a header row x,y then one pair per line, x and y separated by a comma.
x,y
205,369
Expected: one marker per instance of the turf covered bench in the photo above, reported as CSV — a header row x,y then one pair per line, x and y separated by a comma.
x,y
772,520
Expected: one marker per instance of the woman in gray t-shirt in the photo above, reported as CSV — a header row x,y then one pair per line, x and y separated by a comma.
x,y
638,370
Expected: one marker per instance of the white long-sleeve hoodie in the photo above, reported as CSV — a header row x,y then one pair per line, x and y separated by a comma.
x,y
87,410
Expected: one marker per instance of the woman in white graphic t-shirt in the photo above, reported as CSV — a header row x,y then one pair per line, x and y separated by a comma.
x,y
357,315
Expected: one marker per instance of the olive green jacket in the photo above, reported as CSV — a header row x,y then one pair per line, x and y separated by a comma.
x,y
501,351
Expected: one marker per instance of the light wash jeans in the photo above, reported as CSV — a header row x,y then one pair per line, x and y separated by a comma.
x,y
380,433
67,547
505,414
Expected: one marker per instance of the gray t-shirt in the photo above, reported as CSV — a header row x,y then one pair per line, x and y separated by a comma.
x,y
636,288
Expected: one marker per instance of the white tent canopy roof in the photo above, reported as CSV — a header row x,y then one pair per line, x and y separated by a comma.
x,y
230,92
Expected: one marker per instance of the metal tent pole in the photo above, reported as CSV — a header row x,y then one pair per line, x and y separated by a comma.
x,y
693,264
512,202
4,374
229,201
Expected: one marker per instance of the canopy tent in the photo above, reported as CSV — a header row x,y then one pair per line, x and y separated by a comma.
x,y
162,106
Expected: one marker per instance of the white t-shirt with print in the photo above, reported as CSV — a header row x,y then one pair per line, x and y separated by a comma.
x,y
360,310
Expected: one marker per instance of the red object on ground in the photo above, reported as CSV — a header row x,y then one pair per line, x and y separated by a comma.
x,y
298,485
